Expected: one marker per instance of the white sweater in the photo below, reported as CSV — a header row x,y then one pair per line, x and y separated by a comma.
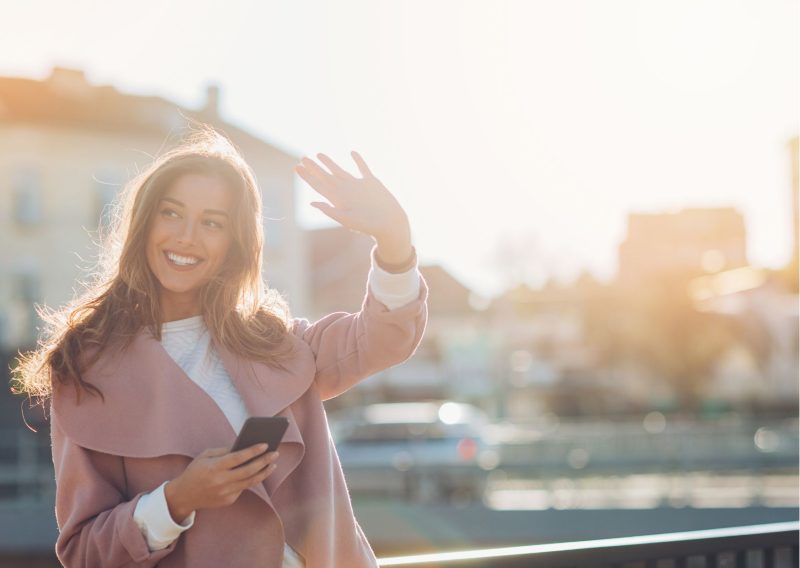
x,y
188,343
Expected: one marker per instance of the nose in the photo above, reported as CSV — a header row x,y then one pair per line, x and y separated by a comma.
x,y
186,235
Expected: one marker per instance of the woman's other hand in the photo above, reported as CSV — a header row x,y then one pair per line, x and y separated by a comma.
x,y
216,478
360,204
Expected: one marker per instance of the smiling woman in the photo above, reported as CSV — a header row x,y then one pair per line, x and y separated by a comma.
x,y
187,342
189,241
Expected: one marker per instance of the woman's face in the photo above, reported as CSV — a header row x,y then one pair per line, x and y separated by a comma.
x,y
189,239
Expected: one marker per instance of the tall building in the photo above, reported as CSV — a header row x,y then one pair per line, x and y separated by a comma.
x,y
794,153
66,149
691,240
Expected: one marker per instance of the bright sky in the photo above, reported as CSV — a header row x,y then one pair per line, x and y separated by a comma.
x,y
538,124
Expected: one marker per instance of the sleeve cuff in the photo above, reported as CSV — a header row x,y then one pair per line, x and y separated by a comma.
x,y
393,290
153,518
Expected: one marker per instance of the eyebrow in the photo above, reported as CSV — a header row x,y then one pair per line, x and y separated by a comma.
x,y
180,203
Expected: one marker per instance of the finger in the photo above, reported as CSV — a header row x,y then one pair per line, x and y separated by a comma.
x,y
333,166
238,458
252,468
331,212
315,169
240,486
362,165
269,471
317,183
262,475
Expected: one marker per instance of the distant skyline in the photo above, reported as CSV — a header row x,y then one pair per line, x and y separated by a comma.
x,y
540,125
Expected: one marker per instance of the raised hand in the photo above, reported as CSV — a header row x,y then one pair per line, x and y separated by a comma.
x,y
360,204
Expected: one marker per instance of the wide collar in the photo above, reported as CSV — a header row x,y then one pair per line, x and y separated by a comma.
x,y
152,408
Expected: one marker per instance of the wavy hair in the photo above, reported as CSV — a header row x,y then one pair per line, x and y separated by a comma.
x,y
121,295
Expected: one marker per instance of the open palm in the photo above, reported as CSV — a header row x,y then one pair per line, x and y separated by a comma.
x,y
361,204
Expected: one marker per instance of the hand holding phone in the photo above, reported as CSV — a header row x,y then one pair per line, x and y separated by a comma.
x,y
261,429
216,478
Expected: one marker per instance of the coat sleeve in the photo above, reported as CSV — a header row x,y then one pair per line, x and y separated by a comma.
x,y
348,347
95,520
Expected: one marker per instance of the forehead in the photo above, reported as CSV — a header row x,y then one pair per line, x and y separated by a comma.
x,y
200,191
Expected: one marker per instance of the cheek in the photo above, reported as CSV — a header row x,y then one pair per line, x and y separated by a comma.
x,y
155,237
221,249
152,237
156,233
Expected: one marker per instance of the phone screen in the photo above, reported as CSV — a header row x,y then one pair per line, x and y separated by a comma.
x,y
261,429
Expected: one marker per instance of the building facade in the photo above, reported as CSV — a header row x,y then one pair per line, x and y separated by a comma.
x,y
695,240
67,148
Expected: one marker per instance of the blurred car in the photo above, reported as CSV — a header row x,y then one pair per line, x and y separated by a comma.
x,y
422,451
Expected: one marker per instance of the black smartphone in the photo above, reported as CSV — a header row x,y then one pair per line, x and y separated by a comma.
x,y
261,429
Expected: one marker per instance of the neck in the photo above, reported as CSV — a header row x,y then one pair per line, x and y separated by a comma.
x,y
177,317
173,309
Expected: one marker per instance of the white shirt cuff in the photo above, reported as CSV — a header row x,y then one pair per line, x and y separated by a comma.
x,y
153,519
393,290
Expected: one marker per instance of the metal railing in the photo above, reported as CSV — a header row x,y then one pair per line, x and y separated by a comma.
x,y
772,545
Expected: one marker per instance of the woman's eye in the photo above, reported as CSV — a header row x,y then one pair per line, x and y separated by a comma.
x,y
213,224
169,212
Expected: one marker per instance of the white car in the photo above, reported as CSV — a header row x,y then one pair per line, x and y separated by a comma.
x,y
422,451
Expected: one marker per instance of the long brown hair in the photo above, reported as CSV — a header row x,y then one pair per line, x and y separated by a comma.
x,y
121,296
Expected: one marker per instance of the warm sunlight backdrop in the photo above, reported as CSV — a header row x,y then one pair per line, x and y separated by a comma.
x,y
528,127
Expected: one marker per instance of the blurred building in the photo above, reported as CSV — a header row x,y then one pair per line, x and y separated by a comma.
x,y
67,147
689,241
763,367
456,356
794,157
546,364
591,349
462,337
338,264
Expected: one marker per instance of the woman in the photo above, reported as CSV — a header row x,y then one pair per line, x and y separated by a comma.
x,y
151,373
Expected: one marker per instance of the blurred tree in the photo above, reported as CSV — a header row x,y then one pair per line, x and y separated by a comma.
x,y
657,326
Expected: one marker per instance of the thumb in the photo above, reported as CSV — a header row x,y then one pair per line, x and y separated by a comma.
x,y
329,211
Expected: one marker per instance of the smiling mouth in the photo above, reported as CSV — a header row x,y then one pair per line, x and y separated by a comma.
x,y
183,261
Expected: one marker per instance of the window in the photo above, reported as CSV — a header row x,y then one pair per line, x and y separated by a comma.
x,y
28,286
27,196
26,293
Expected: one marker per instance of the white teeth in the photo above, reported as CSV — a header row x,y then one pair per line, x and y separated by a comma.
x,y
182,260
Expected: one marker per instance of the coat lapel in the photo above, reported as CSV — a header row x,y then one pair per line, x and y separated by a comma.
x,y
270,392
152,408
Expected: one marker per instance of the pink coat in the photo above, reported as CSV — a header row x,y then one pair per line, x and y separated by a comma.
x,y
156,420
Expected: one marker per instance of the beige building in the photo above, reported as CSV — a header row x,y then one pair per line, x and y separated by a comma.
x,y
692,240
66,149
545,363
794,157
456,356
